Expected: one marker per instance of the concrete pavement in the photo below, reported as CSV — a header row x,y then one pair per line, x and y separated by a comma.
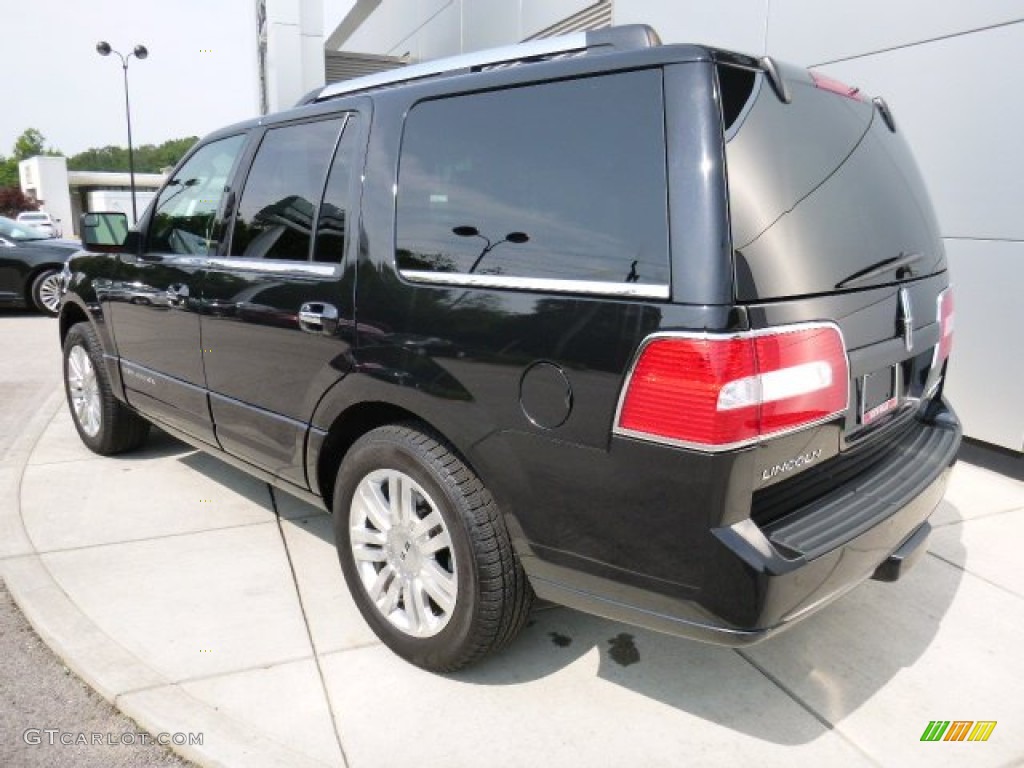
x,y
200,601
38,690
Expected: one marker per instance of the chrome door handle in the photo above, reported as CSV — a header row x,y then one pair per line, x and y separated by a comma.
x,y
317,317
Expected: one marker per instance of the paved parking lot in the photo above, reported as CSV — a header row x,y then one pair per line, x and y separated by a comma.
x,y
200,601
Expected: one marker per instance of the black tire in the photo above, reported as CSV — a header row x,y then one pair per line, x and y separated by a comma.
x,y
493,595
45,280
120,429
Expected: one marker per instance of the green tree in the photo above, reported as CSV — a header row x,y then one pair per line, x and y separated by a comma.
x,y
30,144
108,158
149,158
9,173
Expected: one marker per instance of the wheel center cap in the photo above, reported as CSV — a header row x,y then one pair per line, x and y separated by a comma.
x,y
403,553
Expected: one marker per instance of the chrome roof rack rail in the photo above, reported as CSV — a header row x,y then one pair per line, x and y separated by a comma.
x,y
625,37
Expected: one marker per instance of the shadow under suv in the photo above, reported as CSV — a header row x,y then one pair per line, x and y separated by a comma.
x,y
655,331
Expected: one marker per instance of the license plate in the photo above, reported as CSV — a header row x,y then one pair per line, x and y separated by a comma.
x,y
879,394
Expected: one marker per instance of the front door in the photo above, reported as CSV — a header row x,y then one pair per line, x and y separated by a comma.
x,y
277,311
154,300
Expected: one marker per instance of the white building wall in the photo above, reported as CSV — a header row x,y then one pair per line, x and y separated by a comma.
x,y
950,72
119,200
391,29
295,57
945,69
734,24
46,180
426,29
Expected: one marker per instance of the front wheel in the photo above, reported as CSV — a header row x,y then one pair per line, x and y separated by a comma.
x,y
46,292
105,425
425,552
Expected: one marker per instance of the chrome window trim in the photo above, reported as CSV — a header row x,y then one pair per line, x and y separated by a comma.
x,y
537,284
157,259
274,266
708,336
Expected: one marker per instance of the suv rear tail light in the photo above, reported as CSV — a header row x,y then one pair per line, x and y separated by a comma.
x,y
834,86
716,392
945,317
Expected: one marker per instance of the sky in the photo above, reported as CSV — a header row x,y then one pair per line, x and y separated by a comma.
x,y
200,75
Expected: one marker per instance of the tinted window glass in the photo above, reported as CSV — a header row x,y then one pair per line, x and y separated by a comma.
x,y
331,225
822,196
275,215
184,219
558,181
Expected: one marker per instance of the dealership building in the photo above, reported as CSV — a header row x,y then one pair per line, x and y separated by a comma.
x,y
945,69
65,194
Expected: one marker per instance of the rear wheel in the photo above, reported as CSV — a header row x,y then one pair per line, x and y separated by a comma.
x,y
425,552
46,292
105,425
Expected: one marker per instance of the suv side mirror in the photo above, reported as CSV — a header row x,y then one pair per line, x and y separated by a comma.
x,y
104,232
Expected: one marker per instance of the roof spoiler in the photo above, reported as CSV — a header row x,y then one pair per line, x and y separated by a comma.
x,y
771,71
768,65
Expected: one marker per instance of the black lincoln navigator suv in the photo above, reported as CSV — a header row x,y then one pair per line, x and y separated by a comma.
x,y
655,331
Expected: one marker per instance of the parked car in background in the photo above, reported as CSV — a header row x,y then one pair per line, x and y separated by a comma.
x,y
42,221
30,265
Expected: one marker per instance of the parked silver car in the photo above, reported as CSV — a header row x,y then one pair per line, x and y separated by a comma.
x,y
42,221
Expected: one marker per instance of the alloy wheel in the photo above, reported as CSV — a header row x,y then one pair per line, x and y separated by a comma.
x,y
49,292
84,390
403,552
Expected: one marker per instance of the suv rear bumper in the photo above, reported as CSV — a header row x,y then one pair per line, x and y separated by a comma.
x,y
873,526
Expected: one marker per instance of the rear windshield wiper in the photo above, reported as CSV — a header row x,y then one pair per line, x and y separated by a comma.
x,y
888,265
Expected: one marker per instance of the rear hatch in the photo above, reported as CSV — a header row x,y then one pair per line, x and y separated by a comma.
x,y
831,223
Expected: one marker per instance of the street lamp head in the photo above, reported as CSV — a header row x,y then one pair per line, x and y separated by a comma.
x,y
103,48
140,52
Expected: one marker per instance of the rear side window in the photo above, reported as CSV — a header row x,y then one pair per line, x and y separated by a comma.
x,y
275,215
557,182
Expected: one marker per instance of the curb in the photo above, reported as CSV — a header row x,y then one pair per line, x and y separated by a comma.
x,y
157,704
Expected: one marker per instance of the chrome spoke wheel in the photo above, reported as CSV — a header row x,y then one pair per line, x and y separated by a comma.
x,y
49,292
84,390
403,552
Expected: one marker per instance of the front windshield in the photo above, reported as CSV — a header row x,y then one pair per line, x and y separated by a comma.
x,y
15,231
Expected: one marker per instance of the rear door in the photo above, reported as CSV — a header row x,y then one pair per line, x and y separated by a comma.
x,y
154,300
525,259
277,310
831,222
